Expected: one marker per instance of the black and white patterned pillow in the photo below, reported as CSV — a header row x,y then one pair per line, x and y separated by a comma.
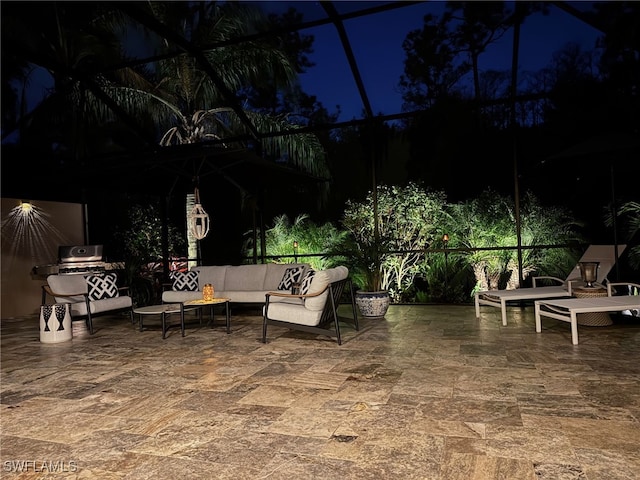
x,y
306,281
184,281
291,275
102,286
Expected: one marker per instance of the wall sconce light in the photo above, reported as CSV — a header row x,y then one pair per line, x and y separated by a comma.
x,y
26,207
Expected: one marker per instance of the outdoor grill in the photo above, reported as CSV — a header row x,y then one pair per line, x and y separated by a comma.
x,y
77,260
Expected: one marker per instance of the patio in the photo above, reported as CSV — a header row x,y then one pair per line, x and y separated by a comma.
x,y
429,392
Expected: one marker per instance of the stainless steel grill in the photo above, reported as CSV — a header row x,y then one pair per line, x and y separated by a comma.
x,y
77,260
80,260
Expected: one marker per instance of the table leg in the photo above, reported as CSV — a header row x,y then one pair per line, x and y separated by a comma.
x,y
212,320
537,315
140,320
503,308
164,325
574,328
182,318
477,306
228,317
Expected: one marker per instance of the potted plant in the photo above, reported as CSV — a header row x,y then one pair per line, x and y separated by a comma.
x,y
372,299
364,254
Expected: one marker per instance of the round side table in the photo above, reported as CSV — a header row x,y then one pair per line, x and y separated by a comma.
x,y
55,323
592,319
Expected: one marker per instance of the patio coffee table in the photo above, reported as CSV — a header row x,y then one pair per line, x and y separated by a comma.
x,y
163,310
216,301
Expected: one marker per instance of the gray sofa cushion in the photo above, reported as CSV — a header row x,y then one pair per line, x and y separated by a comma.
x,y
215,275
245,277
321,279
99,306
68,284
172,296
292,313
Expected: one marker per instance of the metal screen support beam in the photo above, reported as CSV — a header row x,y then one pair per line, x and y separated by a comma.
x,y
333,15
514,128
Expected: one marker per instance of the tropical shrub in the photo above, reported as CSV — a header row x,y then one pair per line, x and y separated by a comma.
x,y
488,222
312,241
629,217
409,220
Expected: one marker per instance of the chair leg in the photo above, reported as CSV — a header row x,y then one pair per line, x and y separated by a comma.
x,y
89,323
89,319
335,320
264,319
337,330
264,328
353,307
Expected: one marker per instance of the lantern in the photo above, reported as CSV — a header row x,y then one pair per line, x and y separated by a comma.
x,y
198,219
207,293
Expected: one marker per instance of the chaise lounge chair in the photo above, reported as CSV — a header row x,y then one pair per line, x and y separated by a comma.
x,y
604,254
567,309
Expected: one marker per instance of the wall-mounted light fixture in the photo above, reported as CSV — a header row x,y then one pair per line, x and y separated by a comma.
x,y
26,207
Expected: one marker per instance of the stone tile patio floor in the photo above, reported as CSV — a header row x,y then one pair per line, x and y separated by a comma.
x,y
428,392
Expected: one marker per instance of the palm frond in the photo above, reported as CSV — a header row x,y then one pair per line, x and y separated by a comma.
x,y
302,150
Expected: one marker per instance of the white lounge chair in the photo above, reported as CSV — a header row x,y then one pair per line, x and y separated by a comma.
x,y
567,309
605,254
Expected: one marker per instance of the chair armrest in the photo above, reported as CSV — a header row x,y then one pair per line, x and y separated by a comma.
x,y
289,295
124,290
546,277
630,287
46,290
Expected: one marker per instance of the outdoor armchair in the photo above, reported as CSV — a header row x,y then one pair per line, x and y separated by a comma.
x,y
88,295
313,310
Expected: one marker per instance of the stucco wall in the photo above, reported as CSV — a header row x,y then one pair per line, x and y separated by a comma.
x,y
30,240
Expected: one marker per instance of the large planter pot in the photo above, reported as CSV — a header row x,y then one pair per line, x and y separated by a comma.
x,y
373,304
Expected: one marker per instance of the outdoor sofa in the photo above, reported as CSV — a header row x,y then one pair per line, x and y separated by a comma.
x,y
312,308
238,283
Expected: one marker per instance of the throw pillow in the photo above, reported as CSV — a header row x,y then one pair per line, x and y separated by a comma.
x,y
102,286
291,275
184,281
306,281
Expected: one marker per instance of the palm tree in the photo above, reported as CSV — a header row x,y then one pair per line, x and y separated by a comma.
x,y
629,213
488,221
186,96
191,93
